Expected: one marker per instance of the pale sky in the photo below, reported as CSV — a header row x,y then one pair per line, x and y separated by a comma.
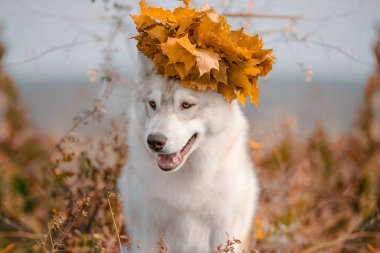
x,y
339,35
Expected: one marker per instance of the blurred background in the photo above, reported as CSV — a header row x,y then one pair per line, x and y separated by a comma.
x,y
323,50
66,74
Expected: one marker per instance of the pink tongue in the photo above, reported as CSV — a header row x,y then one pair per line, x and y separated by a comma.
x,y
169,161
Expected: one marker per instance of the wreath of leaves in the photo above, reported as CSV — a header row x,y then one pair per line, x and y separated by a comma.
x,y
198,48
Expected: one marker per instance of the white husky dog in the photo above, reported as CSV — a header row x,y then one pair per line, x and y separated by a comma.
x,y
189,174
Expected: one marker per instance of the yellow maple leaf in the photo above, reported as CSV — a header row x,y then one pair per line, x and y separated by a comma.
x,y
170,70
185,18
179,50
262,55
189,84
158,32
241,96
206,60
205,82
186,43
146,45
180,68
143,21
251,68
160,61
220,75
267,65
181,13
233,52
202,83
227,92
238,78
183,26
187,3
157,13
211,31
242,39
254,94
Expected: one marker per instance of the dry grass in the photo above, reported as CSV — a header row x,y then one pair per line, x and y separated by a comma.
x,y
321,195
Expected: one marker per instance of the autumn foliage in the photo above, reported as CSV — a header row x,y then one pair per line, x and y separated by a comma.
x,y
198,48
321,194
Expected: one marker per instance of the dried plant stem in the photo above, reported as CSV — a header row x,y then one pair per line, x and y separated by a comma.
x,y
328,244
65,233
43,246
114,223
332,47
18,234
323,45
88,115
53,49
51,239
100,100
256,15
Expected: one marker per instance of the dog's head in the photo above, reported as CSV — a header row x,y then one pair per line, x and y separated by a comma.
x,y
176,119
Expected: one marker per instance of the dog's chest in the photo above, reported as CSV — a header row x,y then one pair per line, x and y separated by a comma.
x,y
203,200
184,194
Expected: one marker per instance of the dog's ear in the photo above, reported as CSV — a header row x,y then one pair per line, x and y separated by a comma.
x,y
144,68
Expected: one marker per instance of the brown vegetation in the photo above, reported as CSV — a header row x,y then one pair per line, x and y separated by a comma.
x,y
322,195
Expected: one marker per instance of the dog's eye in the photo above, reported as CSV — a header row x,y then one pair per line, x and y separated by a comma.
x,y
152,104
186,105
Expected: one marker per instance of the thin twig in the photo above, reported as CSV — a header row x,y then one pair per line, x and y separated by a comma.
x,y
51,50
331,243
18,234
99,101
65,233
337,49
256,15
114,222
44,246
8,218
51,239
322,44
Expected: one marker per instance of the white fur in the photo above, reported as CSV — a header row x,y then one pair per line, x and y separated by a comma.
x,y
214,191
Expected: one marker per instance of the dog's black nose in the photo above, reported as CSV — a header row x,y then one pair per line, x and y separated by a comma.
x,y
156,141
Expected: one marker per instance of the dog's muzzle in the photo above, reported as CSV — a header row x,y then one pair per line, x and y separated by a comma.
x,y
168,162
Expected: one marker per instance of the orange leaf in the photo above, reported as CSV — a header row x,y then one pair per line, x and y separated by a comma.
x,y
220,75
227,92
238,78
157,13
255,145
180,68
187,3
179,50
158,32
142,21
206,60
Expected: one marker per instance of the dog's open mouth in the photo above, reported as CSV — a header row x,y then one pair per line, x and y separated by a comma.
x,y
169,162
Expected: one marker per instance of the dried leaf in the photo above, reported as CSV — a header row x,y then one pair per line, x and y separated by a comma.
x,y
179,50
206,60
187,3
227,92
220,75
157,13
158,32
143,21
